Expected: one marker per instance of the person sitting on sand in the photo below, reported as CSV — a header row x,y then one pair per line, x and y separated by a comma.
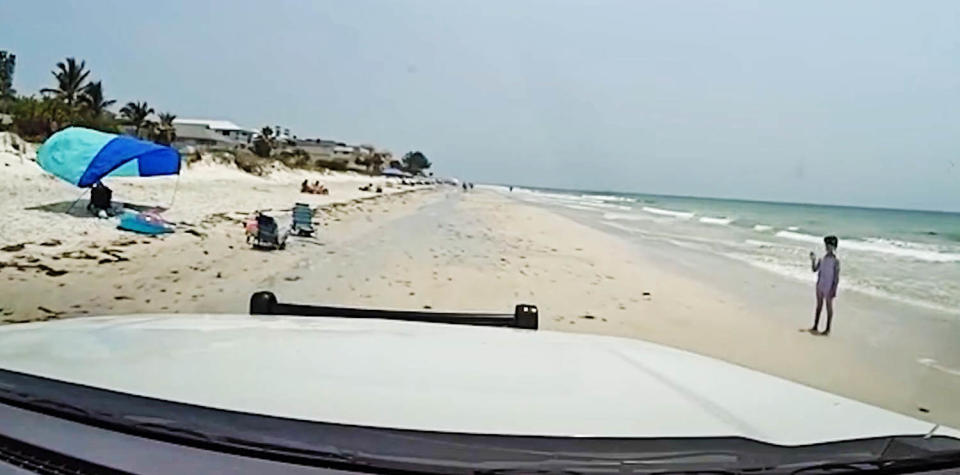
x,y
314,189
250,227
828,276
101,204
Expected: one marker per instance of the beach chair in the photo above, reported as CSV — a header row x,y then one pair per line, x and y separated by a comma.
x,y
303,220
268,234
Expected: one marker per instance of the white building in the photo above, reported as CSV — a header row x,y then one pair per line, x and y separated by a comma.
x,y
343,150
204,131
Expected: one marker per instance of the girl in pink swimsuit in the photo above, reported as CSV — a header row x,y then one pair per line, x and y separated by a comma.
x,y
828,276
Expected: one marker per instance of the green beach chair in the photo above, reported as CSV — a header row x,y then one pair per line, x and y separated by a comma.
x,y
303,220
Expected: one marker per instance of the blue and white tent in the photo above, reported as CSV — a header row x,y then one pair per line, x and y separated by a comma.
x,y
83,156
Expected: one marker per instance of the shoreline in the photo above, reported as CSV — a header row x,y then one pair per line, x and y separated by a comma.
x,y
488,252
907,257
894,343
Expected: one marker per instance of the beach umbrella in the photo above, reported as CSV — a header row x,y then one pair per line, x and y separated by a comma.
x,y
82,156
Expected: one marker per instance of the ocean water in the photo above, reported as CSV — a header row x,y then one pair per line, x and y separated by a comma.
x,y
908,256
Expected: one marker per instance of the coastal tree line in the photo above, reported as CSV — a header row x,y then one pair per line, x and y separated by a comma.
x,y
76,98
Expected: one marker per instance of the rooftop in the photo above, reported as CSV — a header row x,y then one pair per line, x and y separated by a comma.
x,y
191,131
213,124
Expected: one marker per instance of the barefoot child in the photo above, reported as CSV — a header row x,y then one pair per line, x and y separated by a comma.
x,y
828,276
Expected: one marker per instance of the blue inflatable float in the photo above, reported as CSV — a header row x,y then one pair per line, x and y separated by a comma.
x,y
144,223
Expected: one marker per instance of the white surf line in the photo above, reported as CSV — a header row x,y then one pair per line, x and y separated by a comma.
x,y
668,212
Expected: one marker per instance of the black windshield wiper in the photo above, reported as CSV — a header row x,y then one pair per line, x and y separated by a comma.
x,y
587,470
524,316
903,465
683,462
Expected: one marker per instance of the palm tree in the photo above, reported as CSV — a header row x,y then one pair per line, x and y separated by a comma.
x,y
166,119
150,130
166,132
93,98
263,143
136,113
7,63
70,77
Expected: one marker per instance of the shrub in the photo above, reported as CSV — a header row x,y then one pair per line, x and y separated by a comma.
x,y
338,165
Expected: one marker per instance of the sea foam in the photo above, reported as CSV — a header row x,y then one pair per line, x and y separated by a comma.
x,y
709,220
667,212
908,250
624,217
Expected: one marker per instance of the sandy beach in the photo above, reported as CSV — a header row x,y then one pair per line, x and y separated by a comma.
x,y
441,248
57,261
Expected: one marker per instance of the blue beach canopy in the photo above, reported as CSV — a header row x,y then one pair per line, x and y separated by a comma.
x,y
83,156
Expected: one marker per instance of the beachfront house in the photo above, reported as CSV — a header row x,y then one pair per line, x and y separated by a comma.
x,y
343,151
331,152
317,147
211,132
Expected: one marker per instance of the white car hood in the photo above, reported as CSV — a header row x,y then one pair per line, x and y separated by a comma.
x,y
439,377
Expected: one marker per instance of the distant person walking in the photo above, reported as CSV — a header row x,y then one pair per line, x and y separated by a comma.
x,y
828,276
